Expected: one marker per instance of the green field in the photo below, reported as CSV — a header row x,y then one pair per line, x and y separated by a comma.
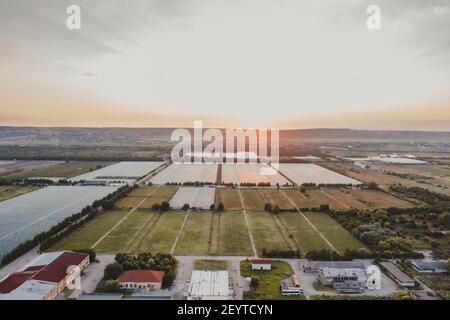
x,y
65,170
210,265
233,238
8,192
164,193
195,236
269,281
334,232
127,236
304,234
88,234
252,199
163,233
265,232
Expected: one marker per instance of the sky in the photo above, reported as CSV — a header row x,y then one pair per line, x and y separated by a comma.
x,y
229,63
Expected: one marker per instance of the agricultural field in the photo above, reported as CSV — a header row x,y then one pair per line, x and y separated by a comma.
x,y
25,216
200,198
251,173
276,197
382,179
53,169
128,171
163,233
230,198
222,233
162,194
379,199
8,192
184,173
136,197
301,173
252,199
232,235
266,232
195,236
91,232
307,238
340,238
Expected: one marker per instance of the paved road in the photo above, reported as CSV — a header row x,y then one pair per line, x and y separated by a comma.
x,y
93,274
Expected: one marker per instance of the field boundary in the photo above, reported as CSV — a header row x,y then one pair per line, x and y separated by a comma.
x,y
180,231
244,212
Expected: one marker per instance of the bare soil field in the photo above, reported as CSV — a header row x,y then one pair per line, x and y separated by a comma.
x,y
382,179
379,199
276,197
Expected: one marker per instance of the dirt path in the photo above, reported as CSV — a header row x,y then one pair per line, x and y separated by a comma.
x,y
310,223
255,253
186,216
123,219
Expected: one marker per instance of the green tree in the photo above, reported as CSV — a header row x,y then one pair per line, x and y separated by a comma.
x,y
254,282
112,286
112,271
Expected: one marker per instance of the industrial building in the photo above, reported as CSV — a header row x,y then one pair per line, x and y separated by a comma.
x,y
429,266
44,277
399,276
348,280
209,285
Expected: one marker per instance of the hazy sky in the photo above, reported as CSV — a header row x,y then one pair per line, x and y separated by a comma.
x,y
285,63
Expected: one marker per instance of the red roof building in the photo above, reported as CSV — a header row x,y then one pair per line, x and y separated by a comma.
x,y
141,279
261,264
44,281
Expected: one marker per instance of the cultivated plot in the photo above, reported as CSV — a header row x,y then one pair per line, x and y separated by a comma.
x,y
276,198
162,234
301,173
333,232
23,217
251,173
91,232
127,171
184,173
229,198
162,194
266,232
24,169
196,234
200,198
307,238
379,199
252,199
233,236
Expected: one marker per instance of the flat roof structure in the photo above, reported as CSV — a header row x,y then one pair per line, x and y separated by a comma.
x,y
128,171
401,277
209,285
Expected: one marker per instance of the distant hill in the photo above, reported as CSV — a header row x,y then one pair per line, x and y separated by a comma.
x,y
144,136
